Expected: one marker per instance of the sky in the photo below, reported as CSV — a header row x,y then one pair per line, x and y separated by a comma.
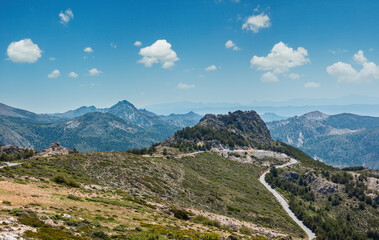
x,y
60,55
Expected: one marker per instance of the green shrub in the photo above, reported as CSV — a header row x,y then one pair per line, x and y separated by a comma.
x,y
48,233
180,214
60,179
7,203
245,230
31,219
206,221
75,198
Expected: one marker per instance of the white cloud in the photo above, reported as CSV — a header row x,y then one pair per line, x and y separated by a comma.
x,y
211,68
52,58
88,50
66,16
231,44
24,51
311,85
332,51
371,49
137,43
359,57
281,59
294,76
256,22
159,52
344,72
94,72
113,45
54,74
185,86
73,75
269,77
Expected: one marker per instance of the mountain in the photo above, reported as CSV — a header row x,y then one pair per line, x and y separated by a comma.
x,y
341,140
237,129
9,111
182,120
77,112
268,117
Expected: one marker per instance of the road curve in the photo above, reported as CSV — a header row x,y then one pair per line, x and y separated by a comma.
x,y
282,201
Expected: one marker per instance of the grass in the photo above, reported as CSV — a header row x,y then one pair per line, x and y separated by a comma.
x,y
205,181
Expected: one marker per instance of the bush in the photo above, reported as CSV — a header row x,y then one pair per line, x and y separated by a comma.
x,y
206,221
7,203
180,214
60,179
75,198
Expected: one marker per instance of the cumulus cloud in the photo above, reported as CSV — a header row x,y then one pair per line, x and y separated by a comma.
x,y
158,52
24,51
185,86
73,75
94,72
359,57
344,72
269,77
280,60
88,50
54,74
256,22
66,16
294,76
311,85
211,68
231,44
137,43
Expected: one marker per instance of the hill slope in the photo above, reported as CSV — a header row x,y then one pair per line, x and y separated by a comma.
x,y
341,140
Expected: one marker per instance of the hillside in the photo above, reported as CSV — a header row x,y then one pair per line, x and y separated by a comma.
x,y
341,140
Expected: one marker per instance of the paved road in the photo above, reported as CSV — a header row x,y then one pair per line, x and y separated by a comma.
x,y
10,164
311,235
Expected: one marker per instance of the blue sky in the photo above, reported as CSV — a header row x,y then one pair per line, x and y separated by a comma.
x,y
323,49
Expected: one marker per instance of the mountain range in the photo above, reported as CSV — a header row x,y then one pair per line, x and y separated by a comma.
x,y
117,128
340,140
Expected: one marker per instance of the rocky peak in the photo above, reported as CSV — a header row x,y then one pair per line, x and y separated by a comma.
x,y
315,115
54,149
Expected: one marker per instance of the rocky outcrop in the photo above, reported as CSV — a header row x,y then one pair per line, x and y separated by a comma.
x,y
54,149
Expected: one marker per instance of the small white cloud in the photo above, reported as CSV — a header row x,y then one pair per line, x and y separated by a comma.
x,y
235,1
332,51
344,72
311,85
54,74
294,76
24,51
269,77
211,68
256,22
113,45
231,44
281,59
359,57
158,52
185,86
371,49
137,43
73,75
94,72
52,58
66,16
88,50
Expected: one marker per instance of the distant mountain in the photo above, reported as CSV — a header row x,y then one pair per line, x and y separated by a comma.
x,y
117,128
90,132
237,129
9,111
340,140
268,117
183,120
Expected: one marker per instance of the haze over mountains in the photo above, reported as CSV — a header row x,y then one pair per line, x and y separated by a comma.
x,y
340,140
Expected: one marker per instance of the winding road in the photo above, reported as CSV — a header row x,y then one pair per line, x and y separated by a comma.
x,y
282,201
